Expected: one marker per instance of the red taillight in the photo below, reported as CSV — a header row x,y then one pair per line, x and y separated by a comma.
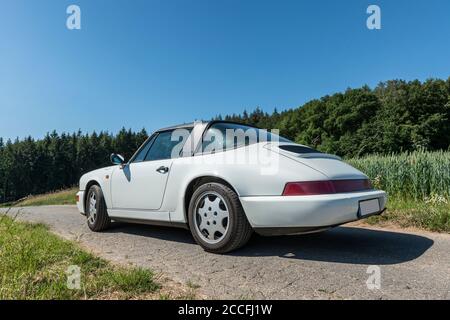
x,y
342,186
77,197
309,188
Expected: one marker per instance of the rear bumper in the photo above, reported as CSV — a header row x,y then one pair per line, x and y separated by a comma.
x,y
304,214
80,202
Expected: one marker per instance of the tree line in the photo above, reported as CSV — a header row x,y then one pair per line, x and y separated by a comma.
x,y
395,116
57,161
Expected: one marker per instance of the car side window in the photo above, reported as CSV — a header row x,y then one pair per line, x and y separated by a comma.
x,y
143,152
165,147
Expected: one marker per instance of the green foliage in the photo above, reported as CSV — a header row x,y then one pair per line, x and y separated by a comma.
x,y
58,161
432,213
33,265
415,175
394,117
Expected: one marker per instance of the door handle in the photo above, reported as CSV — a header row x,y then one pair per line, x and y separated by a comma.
x,y
162,169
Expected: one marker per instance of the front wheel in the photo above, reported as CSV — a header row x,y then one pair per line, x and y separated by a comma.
x,y
96,213
217,219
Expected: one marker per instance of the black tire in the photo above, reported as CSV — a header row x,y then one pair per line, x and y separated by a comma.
x,y
239,230
101,221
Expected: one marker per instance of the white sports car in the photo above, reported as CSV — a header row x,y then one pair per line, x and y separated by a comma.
x,y
224,180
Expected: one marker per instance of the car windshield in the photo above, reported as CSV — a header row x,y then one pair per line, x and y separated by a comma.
x,y
225,136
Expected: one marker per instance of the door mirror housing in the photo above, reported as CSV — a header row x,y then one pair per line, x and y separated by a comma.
x,y
117,159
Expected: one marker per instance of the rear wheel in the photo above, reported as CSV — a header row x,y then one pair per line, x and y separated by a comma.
x,y
217,219
96,213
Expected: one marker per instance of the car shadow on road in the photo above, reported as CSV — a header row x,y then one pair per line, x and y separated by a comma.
x,y
159,232
343,245
340,245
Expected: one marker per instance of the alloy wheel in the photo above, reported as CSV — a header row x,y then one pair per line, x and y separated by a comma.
x,y
211,217
92,212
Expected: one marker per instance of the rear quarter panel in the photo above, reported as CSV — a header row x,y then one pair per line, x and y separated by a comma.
x,y
266,176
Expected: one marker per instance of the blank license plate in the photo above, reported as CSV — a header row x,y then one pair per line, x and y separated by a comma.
x,y
368,207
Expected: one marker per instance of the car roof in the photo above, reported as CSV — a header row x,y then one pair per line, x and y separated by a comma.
x,y
181,126
207,123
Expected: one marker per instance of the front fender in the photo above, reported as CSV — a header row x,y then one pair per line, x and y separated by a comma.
x,y
101,177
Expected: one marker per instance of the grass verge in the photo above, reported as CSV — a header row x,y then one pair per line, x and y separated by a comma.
x,y
34,265
431,214
62,197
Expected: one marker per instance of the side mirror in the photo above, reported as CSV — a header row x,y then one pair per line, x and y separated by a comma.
x,y
117,159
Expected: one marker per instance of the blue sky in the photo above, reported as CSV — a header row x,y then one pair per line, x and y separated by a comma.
x,y
156,63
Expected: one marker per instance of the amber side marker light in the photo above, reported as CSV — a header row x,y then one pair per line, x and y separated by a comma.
x,y
309,188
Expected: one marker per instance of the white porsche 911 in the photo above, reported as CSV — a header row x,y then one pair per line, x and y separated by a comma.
x,y
224,180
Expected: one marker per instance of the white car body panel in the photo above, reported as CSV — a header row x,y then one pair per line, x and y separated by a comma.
x,y
130,187
138,192
306,211
246,180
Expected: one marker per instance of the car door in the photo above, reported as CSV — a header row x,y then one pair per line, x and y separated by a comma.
x,y
140,184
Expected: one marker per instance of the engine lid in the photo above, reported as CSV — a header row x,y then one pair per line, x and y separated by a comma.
x,y
330,165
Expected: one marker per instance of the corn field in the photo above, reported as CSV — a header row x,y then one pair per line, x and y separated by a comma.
x,y
416,175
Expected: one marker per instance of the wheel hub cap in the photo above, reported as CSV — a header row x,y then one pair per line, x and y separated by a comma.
x,y
211,217
92,212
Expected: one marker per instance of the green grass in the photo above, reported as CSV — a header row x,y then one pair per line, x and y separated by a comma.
x,y
62,197
418,185
415,175
431,214
34,262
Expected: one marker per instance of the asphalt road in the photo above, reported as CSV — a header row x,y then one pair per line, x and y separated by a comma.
x,y
329,265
